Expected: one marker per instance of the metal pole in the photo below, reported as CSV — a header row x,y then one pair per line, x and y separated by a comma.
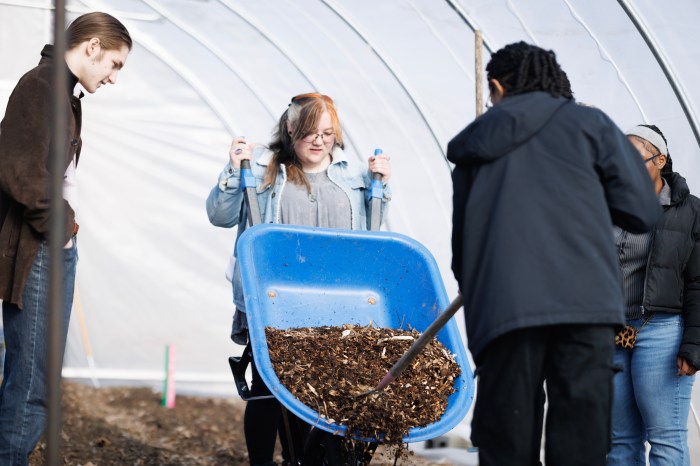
x,y
468,21
665,67
478,73
59,144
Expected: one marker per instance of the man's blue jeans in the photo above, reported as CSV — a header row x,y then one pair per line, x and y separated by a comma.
x,y
23,390
650,402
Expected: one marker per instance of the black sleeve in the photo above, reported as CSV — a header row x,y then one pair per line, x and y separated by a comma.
x,y
690,345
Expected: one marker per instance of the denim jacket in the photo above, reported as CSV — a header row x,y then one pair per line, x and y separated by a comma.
x,y
226,208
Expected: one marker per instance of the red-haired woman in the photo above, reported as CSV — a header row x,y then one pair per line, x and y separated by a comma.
x,y
304,178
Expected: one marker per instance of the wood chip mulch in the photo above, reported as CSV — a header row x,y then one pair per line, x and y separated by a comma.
x,y
329,369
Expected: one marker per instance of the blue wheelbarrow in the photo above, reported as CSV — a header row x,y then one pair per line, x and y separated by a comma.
x,y
297,276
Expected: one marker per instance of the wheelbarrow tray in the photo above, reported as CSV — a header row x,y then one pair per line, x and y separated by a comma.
x,y
296,276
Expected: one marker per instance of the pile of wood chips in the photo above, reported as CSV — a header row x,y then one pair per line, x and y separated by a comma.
x,y
329,369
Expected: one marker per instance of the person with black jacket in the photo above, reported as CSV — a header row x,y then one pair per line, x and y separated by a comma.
x,y
659,350
538,183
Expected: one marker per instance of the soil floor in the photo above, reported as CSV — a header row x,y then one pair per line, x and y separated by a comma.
x,y
129,427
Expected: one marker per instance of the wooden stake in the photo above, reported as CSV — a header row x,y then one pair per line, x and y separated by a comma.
x,y
478,72
87,347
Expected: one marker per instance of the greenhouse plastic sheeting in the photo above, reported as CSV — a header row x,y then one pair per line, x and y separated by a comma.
x,y
402,74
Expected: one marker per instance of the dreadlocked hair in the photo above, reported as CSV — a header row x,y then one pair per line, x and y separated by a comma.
x,y
668,168
521,68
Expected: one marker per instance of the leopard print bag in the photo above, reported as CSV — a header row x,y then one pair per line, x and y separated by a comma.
x,y
627,337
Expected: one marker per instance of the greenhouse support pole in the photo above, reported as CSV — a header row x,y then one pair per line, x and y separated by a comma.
x,y
59,143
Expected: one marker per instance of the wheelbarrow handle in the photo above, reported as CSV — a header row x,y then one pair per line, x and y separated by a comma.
x,y
249,187
419,344
376,193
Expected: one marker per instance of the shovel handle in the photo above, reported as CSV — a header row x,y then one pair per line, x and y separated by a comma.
x,y
419,344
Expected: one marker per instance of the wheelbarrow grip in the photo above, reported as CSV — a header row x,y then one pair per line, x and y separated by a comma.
x,y
419,344
376,193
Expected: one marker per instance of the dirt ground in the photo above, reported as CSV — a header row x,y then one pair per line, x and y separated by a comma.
x,y
129,427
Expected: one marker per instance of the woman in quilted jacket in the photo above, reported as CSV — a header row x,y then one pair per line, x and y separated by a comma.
x,y
659,350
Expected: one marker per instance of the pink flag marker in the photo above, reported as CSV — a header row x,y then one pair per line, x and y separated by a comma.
x,y
169,388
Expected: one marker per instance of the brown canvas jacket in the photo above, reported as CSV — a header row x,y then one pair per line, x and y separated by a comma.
x,y
25,138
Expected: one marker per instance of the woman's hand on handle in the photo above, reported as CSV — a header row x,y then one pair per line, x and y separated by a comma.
x,y
380,164
240,150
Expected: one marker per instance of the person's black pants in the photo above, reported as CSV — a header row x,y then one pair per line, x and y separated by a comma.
x,y
576,363
261,422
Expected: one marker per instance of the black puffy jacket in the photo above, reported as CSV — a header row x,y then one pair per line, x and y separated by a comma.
x,y
673,277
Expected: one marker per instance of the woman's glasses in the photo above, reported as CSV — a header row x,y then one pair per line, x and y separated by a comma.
x,y
651,158
326,137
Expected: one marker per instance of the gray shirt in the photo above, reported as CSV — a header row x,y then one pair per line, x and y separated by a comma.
x,y
325,206
634,250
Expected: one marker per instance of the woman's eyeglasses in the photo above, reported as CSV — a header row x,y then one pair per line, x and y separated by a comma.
x,y
651,158
326,137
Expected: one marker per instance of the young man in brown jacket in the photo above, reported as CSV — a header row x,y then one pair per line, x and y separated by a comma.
x,y
97,48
